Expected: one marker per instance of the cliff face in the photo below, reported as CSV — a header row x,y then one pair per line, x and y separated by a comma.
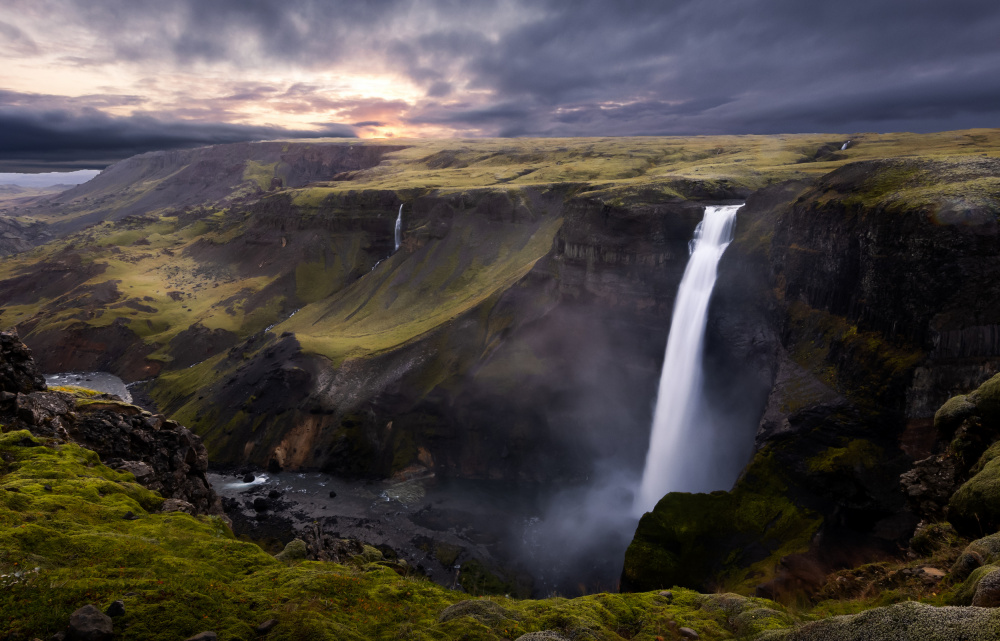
x,y
516,334
866,299
510,326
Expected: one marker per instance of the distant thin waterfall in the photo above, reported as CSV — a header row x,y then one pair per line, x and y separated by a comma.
x,y
677,453
845,145
399,228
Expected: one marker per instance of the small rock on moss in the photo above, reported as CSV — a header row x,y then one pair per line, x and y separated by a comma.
x,y
116,609
89,624
267,626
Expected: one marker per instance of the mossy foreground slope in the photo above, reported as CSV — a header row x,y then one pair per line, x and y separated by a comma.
x,y
74,532
65,542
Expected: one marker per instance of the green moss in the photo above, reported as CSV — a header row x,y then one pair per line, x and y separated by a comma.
x,y
987,400
951,414
723,538
975,507
75,390
963,593
857,454
259,173
179,575
861,364
909,620
475,578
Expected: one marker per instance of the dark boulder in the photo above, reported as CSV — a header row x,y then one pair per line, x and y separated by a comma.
x,y
18,372
116,609
89,624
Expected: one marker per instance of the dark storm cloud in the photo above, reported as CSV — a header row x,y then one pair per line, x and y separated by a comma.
x,y
562,67
49,139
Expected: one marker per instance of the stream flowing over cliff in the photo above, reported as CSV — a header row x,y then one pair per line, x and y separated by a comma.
x,y
681,447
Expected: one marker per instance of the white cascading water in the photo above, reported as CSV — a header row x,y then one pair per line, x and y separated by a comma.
x,y
399,228
674,462
844,146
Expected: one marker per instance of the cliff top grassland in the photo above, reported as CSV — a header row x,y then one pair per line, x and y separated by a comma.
x,y
156,268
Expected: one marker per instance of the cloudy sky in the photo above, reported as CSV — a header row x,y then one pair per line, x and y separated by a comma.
x,y
86,82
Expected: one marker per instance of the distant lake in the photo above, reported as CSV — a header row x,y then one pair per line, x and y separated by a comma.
x,y
49,179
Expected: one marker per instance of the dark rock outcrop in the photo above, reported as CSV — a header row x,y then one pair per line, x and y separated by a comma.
x,y
18,372
163,455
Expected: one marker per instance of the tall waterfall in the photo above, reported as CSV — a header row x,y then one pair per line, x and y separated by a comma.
x,y
677,457
399,228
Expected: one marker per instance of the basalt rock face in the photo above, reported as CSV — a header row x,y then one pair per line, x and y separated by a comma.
x,y
164,456
865,299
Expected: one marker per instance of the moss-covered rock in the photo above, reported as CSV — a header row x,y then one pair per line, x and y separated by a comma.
x,y
747,617
974,508
980,552
909,620
950,415
929,538
965,592
987,400
295,550
735,538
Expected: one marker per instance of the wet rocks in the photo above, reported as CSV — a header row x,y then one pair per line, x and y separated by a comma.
x,y
249,478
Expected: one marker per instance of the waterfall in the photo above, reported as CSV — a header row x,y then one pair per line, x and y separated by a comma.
x,y
844,146
678,455
399,228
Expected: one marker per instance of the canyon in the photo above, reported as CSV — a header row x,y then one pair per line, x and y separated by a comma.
x,y
498,311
